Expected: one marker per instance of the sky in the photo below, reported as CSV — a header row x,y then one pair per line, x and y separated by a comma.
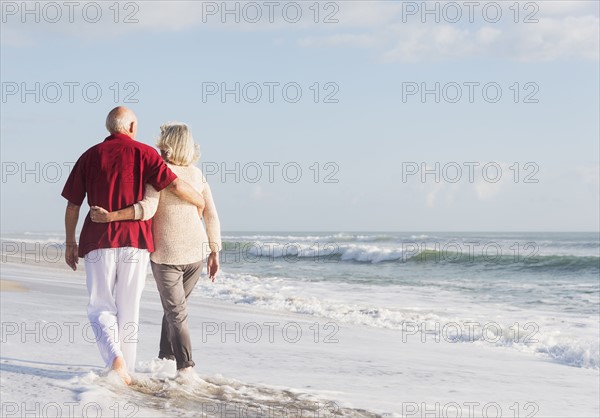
x,y
318,116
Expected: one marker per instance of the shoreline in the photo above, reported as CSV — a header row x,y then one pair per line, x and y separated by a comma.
x,y
366,368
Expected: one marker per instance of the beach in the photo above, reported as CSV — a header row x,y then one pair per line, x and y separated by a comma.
x,y
259,360
406,194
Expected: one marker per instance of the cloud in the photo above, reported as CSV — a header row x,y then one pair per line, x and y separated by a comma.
x,y
492,178
589,175
444,192
341,39
396,31
551,39
487,36
432,194
258,193
486,182
436,188
561,8
420,43
557,30
104,20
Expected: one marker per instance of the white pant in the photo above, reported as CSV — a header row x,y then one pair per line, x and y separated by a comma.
x,y
115,280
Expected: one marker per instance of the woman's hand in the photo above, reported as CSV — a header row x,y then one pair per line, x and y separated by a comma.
x,y
212,265
100,215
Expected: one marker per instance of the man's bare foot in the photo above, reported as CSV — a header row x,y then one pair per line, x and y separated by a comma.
x,y
121,369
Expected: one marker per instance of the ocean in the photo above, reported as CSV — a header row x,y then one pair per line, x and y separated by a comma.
x,y
537,293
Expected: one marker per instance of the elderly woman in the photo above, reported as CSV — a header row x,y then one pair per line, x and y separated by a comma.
x,y
181,243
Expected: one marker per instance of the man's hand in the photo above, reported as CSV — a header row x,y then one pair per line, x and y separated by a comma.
x,y
71,256
212,265
184,191
71,216
100,215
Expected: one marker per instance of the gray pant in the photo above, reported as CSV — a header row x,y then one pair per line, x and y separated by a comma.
x,y
175,284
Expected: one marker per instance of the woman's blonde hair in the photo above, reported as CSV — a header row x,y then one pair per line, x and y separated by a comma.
x,y
177,144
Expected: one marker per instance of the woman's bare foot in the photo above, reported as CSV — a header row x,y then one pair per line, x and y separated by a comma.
x,y
185,370
121,369
187,375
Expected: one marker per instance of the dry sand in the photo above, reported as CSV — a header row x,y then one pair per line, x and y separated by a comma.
x,y
10,286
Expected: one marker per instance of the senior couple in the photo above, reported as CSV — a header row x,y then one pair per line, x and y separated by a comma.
x,y
144,206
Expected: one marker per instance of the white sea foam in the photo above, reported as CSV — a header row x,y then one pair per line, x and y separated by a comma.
x,y
157,390
565,340
363,370
345,252
50,240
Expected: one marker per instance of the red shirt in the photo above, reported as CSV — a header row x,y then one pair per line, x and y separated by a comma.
x,y
114,174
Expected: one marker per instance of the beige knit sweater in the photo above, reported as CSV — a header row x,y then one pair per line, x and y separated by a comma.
x,y
179,236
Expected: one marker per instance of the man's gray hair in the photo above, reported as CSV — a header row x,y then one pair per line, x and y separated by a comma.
x,y
119,120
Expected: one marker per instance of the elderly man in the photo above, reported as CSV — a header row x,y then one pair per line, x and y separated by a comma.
x,y
113,174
